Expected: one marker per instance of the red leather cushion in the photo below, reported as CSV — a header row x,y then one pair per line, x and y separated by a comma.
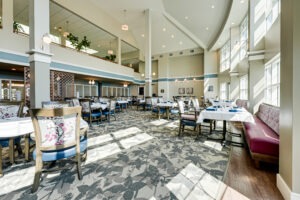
x,y
261,139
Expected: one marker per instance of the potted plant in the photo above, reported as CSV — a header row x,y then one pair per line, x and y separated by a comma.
x,y
111,57
17,27
84,43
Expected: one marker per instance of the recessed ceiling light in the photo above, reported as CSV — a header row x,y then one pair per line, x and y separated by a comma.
x,y
242,1
206,28
164,29
14,69
212,6
163,46
186,17
180,43
143,35
172,36
232,23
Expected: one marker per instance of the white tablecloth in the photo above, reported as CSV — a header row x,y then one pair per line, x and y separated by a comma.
x,y
167,104
224,114
99,105
122,101
14,127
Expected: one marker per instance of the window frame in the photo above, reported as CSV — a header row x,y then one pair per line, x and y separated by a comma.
x,y
225,57
272,82
223,91
244,87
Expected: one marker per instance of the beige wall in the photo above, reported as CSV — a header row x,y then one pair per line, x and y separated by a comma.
x,y
211,66
289,148
272,41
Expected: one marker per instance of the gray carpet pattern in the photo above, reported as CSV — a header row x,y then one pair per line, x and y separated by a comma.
x,y
139,172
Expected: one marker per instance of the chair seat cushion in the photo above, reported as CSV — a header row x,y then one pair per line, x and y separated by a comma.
x,y
188,117
63,153
173,111
156,110
108,112
188,123
261,138
5,142
98,114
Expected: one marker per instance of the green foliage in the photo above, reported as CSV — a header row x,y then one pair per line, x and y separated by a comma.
x,y
84,43
111,57
17,27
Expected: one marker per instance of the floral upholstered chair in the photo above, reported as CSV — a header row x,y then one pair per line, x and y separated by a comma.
x,y
88,114
185,119
110,111
57,134
10,110
56,104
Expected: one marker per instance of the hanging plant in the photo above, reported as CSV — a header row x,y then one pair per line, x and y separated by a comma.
x,y
84,43
17,27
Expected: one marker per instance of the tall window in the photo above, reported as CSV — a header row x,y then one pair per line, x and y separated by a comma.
x,y
272,12
272,83
223,91
0,13
244,87
244,38
225,57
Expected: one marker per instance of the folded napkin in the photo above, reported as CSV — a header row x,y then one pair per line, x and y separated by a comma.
x,y
211,109
235,110
216,101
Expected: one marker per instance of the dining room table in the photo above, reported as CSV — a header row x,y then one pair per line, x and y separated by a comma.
x,y
168,106
225,114
101,105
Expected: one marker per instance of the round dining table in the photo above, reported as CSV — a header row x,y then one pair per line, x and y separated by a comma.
x,y
167,106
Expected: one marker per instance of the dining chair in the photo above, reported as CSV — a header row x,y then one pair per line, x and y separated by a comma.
x,y
185,119
10,110
75,102
158,111
57,135
88,114
148,103
110,111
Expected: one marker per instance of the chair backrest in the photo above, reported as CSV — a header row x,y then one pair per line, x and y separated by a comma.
x,y
86,105
112,105
75,102
148,100
154,101
56,128
55,104
180,106
196,103
10,109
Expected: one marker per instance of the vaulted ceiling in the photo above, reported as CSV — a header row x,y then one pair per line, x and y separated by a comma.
x,y
176,24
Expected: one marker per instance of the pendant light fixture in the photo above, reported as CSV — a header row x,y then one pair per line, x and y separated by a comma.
x,y
66,33
124,26
110,51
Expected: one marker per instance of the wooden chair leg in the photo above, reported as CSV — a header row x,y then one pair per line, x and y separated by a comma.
x,y
27,147
79,171
38,172
1,173
11,150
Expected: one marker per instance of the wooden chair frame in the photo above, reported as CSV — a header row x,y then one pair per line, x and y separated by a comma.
x,y
56,112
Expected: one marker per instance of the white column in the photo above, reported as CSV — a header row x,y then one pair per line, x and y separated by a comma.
x,y
211,81
288,179
39,53
148,61
119,51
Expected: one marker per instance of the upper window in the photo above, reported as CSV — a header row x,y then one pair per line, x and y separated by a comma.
x,y
225,57
272,83
244,87
272,12
244,38
223,91
0,13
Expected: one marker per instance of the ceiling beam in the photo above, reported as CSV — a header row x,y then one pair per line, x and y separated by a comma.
x,y
184,30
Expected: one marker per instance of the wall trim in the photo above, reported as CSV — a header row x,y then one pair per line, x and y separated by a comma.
x,y
285,190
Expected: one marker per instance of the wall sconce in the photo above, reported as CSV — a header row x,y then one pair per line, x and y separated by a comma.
x,y
91,82
142,75
153,74
58,78
125,85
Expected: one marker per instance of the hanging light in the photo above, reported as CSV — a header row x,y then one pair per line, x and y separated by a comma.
x,y
153,73
125,85
91,82
110,51
66,33
124,26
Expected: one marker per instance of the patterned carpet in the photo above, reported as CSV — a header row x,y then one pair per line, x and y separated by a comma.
x,y
135,157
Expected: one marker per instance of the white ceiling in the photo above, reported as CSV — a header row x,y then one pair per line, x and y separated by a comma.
x,y
176,24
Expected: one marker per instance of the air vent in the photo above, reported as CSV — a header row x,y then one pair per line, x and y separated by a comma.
x,y
161,56
180,53
170,54
192,51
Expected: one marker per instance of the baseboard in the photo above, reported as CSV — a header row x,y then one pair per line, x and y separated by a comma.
x,y
285,190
